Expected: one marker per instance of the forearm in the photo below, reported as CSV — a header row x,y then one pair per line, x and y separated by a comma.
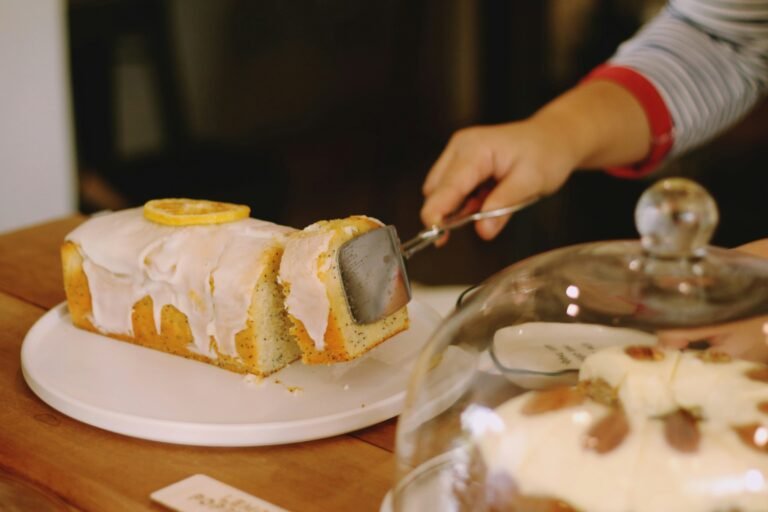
x,y
708,62
757,248
602,123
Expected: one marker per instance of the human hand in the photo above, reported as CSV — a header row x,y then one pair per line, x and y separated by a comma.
x,y
526,159
594,125
756,248
745,339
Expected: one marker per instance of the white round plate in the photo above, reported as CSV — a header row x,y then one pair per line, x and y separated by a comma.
x,y
386,503
149,394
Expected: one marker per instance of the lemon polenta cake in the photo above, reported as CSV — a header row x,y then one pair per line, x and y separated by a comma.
x,y
315,300
193,278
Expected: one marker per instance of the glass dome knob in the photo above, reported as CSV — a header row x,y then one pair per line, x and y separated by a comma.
x,y
676,218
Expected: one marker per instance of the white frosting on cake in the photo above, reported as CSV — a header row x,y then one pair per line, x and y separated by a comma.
x,y
307,299
723,474
545,453
644,386
721,390
207,272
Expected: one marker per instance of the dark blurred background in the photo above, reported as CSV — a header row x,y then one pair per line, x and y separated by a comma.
x,y
316,109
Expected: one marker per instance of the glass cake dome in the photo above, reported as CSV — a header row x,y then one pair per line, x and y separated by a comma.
x,y
624,376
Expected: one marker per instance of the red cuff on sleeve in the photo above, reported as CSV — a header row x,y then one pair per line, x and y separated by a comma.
x,y
655,110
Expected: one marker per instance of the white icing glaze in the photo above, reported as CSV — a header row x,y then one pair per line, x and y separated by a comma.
x,y
127,257
307,300
545,455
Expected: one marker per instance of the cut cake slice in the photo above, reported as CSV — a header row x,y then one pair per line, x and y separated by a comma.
x,y
315,300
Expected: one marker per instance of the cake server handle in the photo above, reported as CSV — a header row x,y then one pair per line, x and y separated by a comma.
x,y
431,235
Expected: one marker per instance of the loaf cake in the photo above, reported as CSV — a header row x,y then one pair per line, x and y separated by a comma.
x,y
317,308
645,430
201,283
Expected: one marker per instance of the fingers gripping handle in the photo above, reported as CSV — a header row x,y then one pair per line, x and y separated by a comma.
x,y
468,212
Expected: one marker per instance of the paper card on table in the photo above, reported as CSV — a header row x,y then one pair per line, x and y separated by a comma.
x,y
201,493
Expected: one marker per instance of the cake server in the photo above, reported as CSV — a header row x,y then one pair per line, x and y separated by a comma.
x,y
372,265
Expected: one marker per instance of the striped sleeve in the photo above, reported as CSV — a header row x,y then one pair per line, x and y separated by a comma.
x,y
708,60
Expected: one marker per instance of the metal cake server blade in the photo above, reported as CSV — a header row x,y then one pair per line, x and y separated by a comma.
x,y
372,265
373,275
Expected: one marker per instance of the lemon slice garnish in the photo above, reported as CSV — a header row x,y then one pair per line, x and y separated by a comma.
x,y
187,212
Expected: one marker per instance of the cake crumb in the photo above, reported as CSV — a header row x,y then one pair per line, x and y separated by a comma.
x,y
294,390
252,380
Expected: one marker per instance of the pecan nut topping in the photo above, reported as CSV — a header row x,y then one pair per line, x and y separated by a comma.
x,y
681,429
608,433
601,392
644,353
759,374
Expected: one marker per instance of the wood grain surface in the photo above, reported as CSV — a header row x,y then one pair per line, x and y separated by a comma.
x,y
30,265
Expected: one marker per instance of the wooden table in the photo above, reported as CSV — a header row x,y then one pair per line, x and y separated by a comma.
x,y
95,470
